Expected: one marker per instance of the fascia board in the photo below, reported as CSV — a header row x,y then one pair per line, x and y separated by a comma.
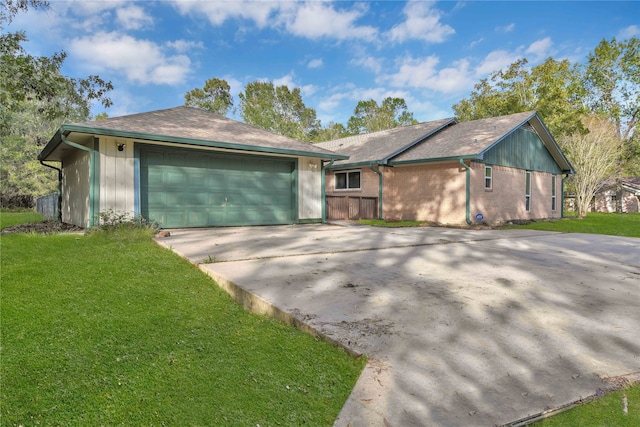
x,y
198,142
437,160
352,165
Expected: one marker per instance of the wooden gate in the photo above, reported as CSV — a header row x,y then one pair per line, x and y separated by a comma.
x,y
350,207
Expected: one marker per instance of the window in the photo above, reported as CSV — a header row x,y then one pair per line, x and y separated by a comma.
x,y
553,193
527,191
348,180
488,178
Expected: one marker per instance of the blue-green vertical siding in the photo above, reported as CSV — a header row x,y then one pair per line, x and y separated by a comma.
x,y
522,149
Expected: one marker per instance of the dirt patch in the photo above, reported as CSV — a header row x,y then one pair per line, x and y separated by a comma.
x,y
45,227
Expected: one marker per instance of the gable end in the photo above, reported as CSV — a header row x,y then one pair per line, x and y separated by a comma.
x,y
522,149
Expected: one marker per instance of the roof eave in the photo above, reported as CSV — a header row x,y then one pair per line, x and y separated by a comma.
x,y
353,165
437,159
67,129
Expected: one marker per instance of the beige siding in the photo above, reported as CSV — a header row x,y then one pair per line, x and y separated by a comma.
x,y
117,176
75,188
309,188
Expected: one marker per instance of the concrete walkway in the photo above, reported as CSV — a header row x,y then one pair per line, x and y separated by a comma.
x,y
461,327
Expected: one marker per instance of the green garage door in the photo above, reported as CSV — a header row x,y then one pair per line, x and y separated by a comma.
x,y
192,188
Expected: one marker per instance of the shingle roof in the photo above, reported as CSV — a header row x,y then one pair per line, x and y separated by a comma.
x,y
444,139
634,182
465,138
193,126
377,146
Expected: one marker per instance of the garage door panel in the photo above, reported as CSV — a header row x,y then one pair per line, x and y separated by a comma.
x,y
180,188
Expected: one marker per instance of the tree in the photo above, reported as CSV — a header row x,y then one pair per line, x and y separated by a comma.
x,y
215,96
368,116
35,99
553,88
608,83
277,109
11,7
612,78
330,132
594,155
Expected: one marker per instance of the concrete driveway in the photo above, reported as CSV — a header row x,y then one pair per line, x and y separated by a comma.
x,y
461,327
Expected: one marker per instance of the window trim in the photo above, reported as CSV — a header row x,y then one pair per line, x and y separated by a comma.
x,y
347,173
554,204
488,178
527,191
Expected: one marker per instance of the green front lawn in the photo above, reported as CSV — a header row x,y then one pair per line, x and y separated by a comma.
x,y
604,412
594,223
111,329
14,217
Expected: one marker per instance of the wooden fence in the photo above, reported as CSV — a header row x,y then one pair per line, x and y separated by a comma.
x,y
47,205
350,207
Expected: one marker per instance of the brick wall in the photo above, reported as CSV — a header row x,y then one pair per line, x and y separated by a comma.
x,y
506,200
434,192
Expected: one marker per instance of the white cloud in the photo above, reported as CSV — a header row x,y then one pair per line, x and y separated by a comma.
x,y
141,61
316,20
287,80
315,63
422,23
506,28
423,73
373,64
540,49
332,102
495,61
184,45
310,19
83,7
629,32
133,17
217,12
476,42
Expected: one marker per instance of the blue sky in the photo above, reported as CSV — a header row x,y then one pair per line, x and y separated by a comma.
x,y
429,53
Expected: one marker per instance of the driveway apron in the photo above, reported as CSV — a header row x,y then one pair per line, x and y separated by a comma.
x,y
461,327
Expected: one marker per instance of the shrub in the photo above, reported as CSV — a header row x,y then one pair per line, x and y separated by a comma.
x,y
110,221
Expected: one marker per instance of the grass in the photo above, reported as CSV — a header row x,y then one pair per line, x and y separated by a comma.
x,y
14,217
111,329
594,223
604,412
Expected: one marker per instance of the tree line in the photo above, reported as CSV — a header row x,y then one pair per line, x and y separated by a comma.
x,y
281,110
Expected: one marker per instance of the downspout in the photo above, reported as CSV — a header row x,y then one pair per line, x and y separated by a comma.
x,y
562,195
468,191
91,174
59,188
380,181
324,195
